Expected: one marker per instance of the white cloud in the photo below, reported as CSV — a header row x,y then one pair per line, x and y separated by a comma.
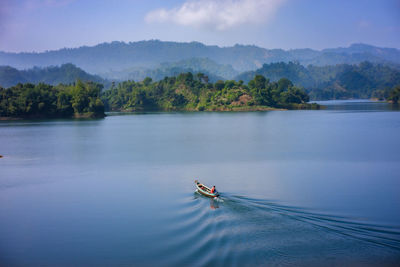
x,y
217,14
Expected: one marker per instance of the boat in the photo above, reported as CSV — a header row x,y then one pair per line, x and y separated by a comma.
x,y
204,190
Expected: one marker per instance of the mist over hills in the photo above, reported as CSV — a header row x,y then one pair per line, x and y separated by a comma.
x,y
341,81
54,75
69,73
213,70
358,71
117,57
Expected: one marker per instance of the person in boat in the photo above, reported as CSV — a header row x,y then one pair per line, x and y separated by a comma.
x,y
213,189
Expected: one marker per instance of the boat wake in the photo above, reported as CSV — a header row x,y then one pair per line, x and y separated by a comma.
x,y
231,229
384,235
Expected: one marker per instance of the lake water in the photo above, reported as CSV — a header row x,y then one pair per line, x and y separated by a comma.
x,y
297,188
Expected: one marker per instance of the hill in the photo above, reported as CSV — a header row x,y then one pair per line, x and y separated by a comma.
x,y
213,70
364,80
118,56
66,74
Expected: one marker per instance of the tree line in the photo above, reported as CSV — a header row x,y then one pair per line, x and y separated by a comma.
x,y
81,99
194,92
393,95
183,92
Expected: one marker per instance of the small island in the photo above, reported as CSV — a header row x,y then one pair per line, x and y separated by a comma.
x,y
188,92
185,92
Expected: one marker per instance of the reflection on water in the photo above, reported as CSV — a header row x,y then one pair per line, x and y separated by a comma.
x,y
359,105
214,202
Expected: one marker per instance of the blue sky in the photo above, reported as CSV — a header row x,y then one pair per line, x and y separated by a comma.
x,y
38,25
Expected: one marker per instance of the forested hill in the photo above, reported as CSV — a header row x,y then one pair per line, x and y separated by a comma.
x,y
343,81
66,74
116,56
213,70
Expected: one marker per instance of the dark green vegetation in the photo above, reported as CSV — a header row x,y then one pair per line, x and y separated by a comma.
x,y
358,71
394,95
184,92
47,101
365,80
325,74
189,92
118,56
66,74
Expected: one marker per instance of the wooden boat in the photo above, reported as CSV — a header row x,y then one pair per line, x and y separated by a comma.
x,y
204,190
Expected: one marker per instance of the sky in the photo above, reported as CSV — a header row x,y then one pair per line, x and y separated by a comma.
x,y
40,25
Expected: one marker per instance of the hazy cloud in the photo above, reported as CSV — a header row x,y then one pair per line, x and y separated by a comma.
x,y
217,14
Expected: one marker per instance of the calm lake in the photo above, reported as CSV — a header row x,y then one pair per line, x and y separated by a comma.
x,y
297,188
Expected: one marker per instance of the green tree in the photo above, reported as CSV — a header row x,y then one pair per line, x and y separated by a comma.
x,y
394,95
260,89
219,85
147,81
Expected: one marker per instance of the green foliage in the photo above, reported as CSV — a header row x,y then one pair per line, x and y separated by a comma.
x,y
190,92
184,92
219,85
294,95
43,100
65,74
394,95
365,80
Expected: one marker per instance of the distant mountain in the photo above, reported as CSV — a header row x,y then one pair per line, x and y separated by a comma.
x,y
118,56
66,74
353,54
204,65
213,70
341,81
359,50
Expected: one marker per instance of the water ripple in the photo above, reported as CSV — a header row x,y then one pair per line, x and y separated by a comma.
x,y
383,235
233,229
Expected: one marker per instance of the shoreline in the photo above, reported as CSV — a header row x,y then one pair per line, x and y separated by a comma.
x,y
210,109
220,109
75,116
304,106
213,109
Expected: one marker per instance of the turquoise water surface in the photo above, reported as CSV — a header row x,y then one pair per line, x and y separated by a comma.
x,y
298,188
